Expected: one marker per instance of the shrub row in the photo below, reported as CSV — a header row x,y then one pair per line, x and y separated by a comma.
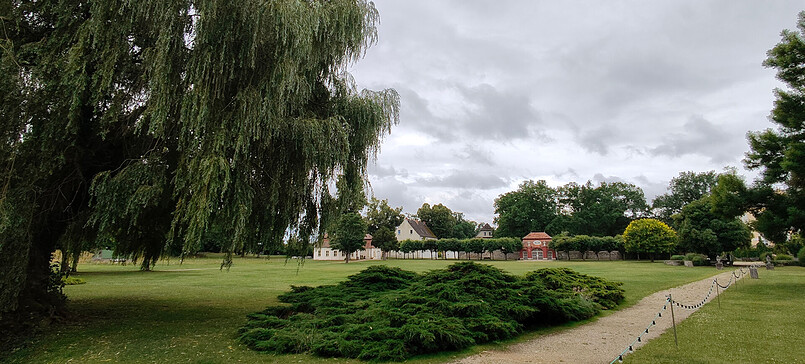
x,y
475,245
584,243
385,313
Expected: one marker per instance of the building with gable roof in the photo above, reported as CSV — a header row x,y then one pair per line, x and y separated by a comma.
x,y
325,252
485,232
535,246
411,229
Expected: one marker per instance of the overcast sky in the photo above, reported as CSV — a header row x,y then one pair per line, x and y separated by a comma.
x,y
497,92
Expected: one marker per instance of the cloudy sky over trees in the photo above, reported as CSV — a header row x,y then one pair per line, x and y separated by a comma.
x,y
497,92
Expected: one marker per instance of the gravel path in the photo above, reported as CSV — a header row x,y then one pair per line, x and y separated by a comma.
x,y
602,340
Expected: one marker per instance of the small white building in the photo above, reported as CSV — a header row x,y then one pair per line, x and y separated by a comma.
x,y
325,252
485,232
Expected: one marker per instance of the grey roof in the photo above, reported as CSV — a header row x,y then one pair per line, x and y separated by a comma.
x,y
421,228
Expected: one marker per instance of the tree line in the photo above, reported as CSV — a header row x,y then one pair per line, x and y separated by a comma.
x,y
477,246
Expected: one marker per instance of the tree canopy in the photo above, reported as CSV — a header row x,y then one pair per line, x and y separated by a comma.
x,y
702,230
349,233
649,236
529,208
778,197
603,210
146,122
439,218
379,215
683,189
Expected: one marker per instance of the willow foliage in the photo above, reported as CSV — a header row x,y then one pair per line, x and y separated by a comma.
x,y
143,123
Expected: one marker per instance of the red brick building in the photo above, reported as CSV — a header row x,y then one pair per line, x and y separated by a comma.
x,y
535,246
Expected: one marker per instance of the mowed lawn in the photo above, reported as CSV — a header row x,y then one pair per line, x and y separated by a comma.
x,y
190,312
762,321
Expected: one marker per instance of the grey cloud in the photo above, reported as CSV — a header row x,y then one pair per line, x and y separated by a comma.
x,y
651,189
598,139
701,137
398,194
598,177
570,172
489,114
464,179
380,171
476,154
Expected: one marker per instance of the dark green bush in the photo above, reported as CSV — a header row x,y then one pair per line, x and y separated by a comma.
x,y
70,281
801,257
697,259
677,257
387,313
783,257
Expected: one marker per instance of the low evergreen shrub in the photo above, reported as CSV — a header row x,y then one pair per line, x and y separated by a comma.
x,y
801,257
385,313
697,259
677,257
783,257
70,281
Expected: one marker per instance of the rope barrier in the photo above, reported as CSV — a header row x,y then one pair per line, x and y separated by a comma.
x,y
669,302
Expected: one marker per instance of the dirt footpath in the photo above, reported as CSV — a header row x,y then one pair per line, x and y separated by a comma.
x,y
604,339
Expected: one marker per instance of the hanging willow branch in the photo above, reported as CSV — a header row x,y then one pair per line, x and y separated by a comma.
x,y
147,123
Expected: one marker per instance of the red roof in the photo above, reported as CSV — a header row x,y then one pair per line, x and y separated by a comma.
x,y
537,235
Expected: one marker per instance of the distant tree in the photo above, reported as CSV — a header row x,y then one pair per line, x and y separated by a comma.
x,y
701,230
379,214
529,208
683,189
649,236
385,240
464,229
431,245
439,219
475,245
603,210
449,245
349,233
511,245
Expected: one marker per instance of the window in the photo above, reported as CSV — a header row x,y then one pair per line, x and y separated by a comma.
x,y
327,253
398,232
411,232
319,251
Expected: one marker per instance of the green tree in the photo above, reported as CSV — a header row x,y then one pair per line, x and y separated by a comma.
x,y
349,233
649,236
701,230
529,208
464,229
145,121
683,189
778,198
476,246
439,219
603,210
385,240
379,214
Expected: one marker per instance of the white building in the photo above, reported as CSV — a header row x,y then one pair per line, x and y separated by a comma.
x,y
485,232
325,252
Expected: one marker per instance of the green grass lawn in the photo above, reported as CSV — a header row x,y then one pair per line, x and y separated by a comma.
x,y
762,321
190,313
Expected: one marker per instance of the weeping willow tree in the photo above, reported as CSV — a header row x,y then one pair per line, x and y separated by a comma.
x,y
143,123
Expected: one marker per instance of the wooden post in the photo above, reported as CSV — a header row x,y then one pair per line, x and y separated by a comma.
x,y
718,295
673,319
